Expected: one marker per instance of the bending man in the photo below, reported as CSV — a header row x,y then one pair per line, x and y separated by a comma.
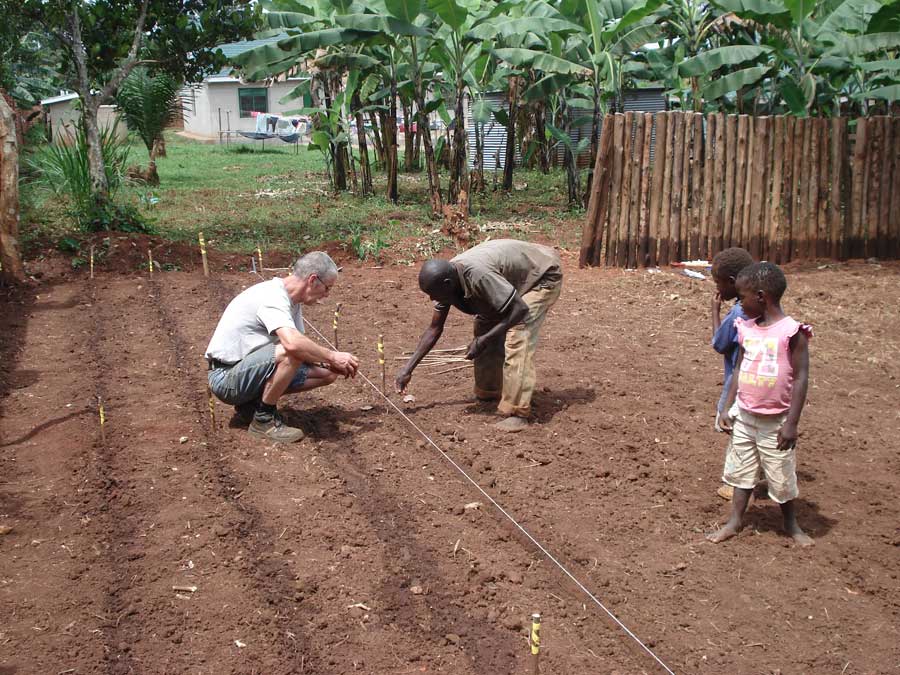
x,y
508,286
258,351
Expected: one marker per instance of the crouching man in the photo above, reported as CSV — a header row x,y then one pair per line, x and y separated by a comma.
x,y
258,351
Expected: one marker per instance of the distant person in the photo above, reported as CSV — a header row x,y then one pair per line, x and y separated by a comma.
x,y
725,268
508,286
258,351
769,392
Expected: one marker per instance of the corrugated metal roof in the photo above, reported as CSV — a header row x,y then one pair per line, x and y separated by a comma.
x,y
59,99
232,50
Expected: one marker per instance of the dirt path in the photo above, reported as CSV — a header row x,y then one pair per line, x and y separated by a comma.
x,y
354,551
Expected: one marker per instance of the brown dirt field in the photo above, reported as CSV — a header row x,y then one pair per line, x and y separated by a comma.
x,y
351,552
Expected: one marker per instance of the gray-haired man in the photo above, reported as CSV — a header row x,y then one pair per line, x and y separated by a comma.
x,y
258,351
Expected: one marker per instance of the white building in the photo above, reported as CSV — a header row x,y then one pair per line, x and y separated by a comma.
x,y
62,115
224,104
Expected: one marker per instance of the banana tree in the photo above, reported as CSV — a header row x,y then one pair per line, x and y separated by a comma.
x,y
149,103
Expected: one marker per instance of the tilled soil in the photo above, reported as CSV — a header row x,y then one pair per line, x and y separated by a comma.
x,y
361,548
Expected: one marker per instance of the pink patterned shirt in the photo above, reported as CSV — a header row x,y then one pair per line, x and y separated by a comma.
x,y
767,376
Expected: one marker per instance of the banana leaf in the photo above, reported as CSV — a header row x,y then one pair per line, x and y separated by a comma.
x,y
708,61
506,28
529,58
865,44
734,81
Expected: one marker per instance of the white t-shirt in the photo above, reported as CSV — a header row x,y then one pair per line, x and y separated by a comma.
x,y
251,319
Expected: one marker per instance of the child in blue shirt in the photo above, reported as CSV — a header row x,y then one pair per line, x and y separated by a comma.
x,y
725,268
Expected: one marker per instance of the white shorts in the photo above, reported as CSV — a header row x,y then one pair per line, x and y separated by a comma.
x,y
754,448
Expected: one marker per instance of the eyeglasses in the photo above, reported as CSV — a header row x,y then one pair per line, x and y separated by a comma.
x,y
319,279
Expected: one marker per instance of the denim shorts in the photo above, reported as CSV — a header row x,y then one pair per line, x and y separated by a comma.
x,y
245,380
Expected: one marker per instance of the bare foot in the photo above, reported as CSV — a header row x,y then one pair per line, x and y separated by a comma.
x,y
801,538
722,534
511,424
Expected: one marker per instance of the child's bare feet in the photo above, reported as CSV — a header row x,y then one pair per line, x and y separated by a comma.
x,y
726,532
801,538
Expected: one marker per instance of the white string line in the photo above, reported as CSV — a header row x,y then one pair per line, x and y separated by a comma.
x,y
503,511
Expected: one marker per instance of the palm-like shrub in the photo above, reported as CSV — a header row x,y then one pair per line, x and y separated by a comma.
x,y
148,103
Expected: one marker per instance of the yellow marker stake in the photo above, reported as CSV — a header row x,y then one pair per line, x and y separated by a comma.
x,y
259,253
203,255
92,262
102,419
150,261
381,361
337,315
535,642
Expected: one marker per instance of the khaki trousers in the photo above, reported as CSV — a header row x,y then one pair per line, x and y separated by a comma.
x,y
505,369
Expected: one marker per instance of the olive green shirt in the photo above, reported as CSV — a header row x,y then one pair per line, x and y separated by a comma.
x,y
493,272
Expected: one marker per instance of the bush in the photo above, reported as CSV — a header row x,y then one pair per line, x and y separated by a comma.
x,y
97,217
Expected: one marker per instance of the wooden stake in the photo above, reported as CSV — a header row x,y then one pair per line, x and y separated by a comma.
x,y
334,323
706,212
873,185
747,198
535,643
592,235
92,261
381,362
150,261
822,246
203,254
757,194
102,414
894,222
797,198
887,173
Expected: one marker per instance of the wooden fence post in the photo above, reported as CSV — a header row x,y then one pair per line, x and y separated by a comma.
x,y
894,236
755,179
625,207
615,203
835,191
677,184
884,193
812,188
822,245
706,211
659,162
731,143
697,149
592,236
665,221
634,216
776,213
856,248
642,242
684,232
718,212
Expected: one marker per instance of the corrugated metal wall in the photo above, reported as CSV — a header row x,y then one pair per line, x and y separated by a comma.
x,y
637,100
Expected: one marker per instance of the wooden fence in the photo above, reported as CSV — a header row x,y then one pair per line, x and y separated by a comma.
x,y
782,187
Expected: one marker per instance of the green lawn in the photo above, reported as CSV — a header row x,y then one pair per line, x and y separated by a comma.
x,y
241,196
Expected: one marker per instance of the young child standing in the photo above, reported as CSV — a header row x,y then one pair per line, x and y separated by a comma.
x,y
725,268
770,391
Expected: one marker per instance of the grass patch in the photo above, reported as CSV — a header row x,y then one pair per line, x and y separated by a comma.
x,y
243,195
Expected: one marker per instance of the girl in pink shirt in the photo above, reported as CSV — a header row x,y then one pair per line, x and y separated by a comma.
x,y
768,396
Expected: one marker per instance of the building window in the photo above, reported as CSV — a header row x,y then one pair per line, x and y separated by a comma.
x,y
253,100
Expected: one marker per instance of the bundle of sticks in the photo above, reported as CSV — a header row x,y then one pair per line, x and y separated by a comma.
x,y
441,358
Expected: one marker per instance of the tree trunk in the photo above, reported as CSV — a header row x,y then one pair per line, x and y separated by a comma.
x,y
10,256
365,171
513,111
96,165
376,139
159,147
572,181
477,176
458,158
409,138
390,142
540,133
